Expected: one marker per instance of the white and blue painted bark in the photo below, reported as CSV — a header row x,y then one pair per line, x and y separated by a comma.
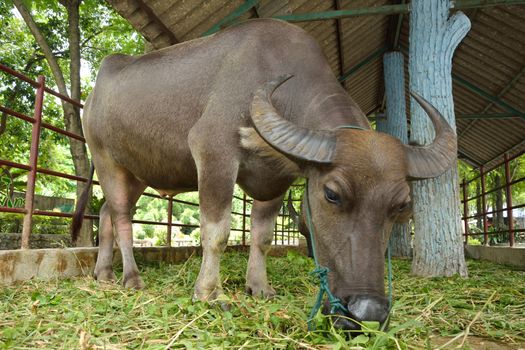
x,y
396,125
434,36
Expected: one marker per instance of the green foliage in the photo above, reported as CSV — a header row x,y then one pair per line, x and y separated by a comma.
x,y
12,223
103,32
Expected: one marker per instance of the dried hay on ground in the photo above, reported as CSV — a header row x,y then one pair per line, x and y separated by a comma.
x,y
482,312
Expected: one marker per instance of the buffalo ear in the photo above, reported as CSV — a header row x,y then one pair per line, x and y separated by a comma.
x,y
430,161
289,139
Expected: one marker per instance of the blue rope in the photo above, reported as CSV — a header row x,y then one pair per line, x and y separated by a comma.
x,y
321,272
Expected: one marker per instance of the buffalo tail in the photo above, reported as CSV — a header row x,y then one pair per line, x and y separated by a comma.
x,y
78,215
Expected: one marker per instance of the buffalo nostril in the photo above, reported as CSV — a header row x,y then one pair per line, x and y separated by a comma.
x,y
368,308
342,321
345,323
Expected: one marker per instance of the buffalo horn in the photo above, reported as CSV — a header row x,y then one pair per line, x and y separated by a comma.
x,y
292,140
432,160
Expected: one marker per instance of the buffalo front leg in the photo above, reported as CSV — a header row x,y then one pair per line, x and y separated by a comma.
x,y
215,217
263,221
104,267
216,182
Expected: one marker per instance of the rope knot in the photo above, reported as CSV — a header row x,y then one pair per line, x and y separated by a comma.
x,y
321,272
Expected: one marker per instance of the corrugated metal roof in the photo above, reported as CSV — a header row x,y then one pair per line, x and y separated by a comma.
x,y
491,59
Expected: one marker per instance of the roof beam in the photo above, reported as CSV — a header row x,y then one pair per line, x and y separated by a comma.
x,y
512,149
238,12
471,4
153,17
507,87
390,10
338,14
480,92
501,93
465,157
487,116
372,57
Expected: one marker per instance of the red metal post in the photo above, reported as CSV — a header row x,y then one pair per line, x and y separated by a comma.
x,y
289,226
33,162
508,189
282,225
244,219
275,231
484,206
465,209
170,214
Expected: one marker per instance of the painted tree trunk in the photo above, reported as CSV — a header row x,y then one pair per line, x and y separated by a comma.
x,y
438,246
396,125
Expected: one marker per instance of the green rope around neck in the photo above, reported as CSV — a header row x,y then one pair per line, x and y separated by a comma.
x,y
321,272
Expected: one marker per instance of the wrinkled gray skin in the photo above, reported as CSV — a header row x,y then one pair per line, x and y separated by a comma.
x,y
179,119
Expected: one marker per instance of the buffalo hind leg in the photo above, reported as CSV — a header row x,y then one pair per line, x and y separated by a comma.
x,y
104,266
263,221
122,190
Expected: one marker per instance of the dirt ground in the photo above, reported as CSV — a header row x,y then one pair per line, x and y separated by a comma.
x,y
474,343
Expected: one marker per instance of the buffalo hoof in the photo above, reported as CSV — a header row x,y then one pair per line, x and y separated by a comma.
x,y
265,292
133,282
208,296
214,299
105,275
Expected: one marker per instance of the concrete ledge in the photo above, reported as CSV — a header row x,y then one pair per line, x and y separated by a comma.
x,y
500,255
22,265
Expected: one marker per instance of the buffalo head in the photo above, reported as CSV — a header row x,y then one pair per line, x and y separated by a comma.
x,y
358,187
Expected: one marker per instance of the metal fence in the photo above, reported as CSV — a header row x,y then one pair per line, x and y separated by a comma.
x,y
504,223
285,230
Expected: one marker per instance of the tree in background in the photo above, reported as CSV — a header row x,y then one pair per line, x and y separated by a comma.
x,y
434,35
60,36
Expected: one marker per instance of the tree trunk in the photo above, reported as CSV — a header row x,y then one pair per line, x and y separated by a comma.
x,y
396,125
71,113
438,246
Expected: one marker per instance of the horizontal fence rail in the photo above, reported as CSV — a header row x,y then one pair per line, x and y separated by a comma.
x,y
504,223
285,230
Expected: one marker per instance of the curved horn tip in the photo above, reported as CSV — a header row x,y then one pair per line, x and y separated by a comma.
x,y
418,97
414,94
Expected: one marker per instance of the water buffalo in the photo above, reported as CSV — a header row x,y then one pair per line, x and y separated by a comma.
x,y
208,113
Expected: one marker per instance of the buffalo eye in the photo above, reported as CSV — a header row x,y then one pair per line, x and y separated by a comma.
x,y
403,206
331,196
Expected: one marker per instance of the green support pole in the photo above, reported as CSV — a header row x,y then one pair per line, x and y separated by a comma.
x,y
488,116
367,11
372,57
480,92
238,12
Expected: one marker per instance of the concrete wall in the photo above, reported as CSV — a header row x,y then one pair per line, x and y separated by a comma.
x,y
21,265
500,255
